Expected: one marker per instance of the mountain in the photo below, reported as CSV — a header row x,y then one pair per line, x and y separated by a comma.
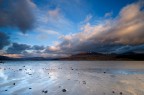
x,y
87,56
100,56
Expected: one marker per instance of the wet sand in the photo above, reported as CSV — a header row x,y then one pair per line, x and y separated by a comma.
x,y
72,78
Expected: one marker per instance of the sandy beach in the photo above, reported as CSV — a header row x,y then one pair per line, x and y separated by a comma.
x,y
72,78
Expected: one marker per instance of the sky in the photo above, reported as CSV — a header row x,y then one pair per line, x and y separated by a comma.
x,y
58,28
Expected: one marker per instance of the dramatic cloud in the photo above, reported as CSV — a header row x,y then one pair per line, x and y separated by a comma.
x,y
109,35
4,40
16,13
18,48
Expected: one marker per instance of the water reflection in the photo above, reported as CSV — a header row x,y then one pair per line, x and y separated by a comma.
x,y
3,76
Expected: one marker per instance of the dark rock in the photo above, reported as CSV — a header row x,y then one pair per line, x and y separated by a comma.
x,y
30,88
13,83
20,69
121,93
113,92
6,90
45,91
84,82
64,90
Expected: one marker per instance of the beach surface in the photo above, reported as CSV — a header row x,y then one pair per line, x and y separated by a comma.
x,y
72,78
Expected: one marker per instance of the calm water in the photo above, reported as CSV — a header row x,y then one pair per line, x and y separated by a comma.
x,y
32,77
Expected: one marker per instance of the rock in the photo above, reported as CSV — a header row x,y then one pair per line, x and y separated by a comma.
x,y
20,69
84,82
44,91
113,92
30,88
64,90
121,93
13,83
6,90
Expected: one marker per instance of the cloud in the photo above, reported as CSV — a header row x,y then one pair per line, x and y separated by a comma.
x,y
54,19
17,13
18,48
88,18
109,35
47,31
14,55
4,40
36,47
109,14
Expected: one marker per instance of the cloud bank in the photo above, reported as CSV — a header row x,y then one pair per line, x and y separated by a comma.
x,y
112,35
127,29
16,13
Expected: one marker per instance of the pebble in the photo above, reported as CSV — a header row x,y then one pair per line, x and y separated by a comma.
x,y
45,91
113,92
64,90
84,82
121,93
13,83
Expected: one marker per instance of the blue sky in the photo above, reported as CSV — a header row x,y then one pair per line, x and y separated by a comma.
x,y
50,23
73,12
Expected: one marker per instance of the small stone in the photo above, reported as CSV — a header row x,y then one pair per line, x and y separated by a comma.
x,y
121,93
30,88
64,90
45,91
13,83
104,72
6,90
113,92
84,82
20,69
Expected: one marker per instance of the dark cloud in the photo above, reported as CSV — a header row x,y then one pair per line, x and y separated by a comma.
x,y
16,13
36,47
18,48
4,40
123,33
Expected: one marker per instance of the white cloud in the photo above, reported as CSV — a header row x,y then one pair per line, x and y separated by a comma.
x,y
126,29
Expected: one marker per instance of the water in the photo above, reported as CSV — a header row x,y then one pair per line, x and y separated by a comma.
x,y
77,77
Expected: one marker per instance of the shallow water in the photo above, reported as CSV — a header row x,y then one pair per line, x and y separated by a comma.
x,y
77,77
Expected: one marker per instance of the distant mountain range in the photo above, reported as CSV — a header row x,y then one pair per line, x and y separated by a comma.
x,y
88,56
